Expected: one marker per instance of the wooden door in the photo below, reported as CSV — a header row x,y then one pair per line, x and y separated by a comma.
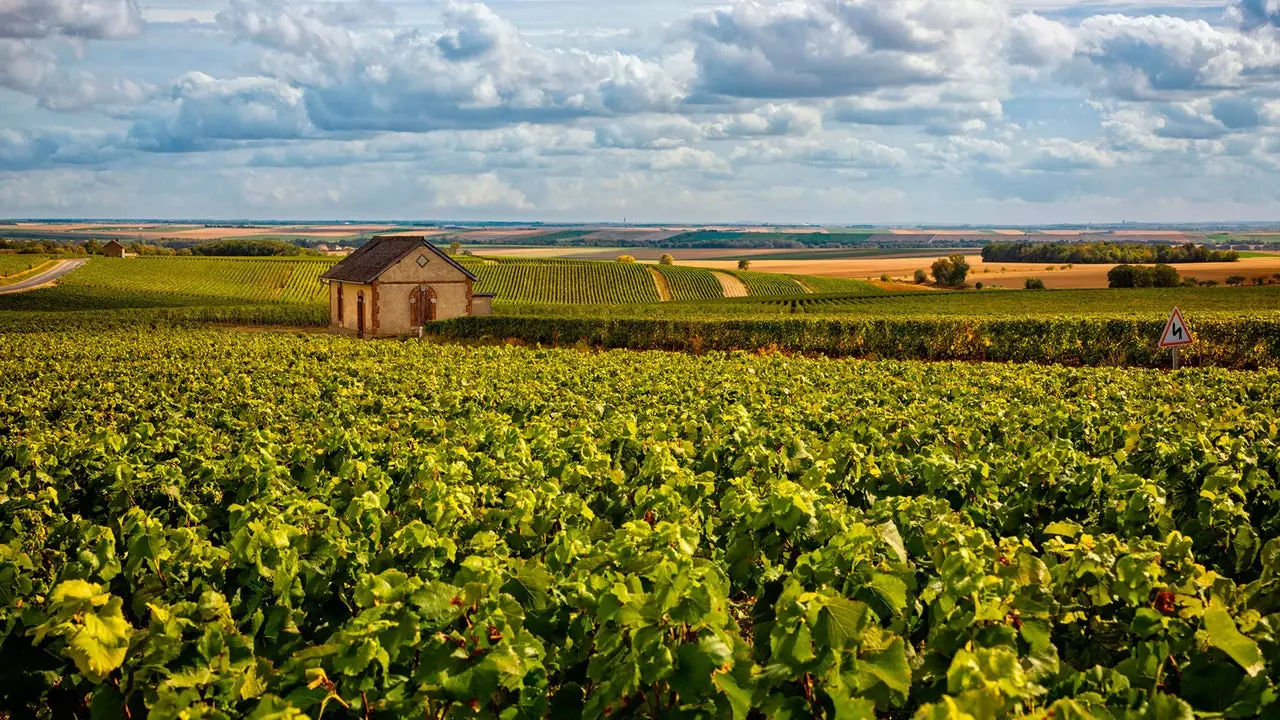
x,y
422,305
360,315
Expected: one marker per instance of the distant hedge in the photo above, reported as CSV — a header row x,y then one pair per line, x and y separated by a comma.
x,y
1104,253
1221,342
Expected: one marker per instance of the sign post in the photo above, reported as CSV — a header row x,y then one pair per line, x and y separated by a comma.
x,y
1176,335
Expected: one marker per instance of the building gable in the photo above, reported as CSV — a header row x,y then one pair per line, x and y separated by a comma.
x,y
370,261
424,266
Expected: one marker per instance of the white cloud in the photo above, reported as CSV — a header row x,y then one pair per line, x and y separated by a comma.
x,y
96,19
832,48
478,72
207,110
485,191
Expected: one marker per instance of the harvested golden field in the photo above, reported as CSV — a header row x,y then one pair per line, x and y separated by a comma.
x,y
1010,275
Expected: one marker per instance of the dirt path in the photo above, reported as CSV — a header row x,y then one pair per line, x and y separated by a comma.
x,y
733,287
44,278
664,290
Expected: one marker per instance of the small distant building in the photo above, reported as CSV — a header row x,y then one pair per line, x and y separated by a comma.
x,y
394,286
113,249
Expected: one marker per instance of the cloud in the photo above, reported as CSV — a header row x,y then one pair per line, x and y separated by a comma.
x,y
484,191
207,110
770,120
479,72
52,148
834,48
1062,155
683,159
1253,14
1160,57
29,29
89,19
832,152
1038,42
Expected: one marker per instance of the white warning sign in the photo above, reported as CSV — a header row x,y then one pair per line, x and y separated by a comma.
x,y
1176,332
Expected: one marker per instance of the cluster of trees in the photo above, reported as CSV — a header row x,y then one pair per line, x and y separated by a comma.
x,y
1139,276
38,247
949,271
1104,253
250,248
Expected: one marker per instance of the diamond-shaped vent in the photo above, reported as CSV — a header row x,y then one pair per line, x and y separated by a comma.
x,y
422,261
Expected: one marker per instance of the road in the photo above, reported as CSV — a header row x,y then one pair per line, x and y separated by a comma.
x,y
62,268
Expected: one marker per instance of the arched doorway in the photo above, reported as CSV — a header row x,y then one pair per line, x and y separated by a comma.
x,y
422,305
360,315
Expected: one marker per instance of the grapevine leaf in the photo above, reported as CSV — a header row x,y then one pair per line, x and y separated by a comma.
x,y
739,697
892,590
1224,635
840,622
890,666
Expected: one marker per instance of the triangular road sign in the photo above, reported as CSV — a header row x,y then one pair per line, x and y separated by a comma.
x,y
1176,332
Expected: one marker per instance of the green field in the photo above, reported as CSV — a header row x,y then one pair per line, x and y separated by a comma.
x,y
688,283
16,267
565,281
216,524
615,305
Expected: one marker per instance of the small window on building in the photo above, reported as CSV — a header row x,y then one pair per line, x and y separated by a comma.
x,y
422,261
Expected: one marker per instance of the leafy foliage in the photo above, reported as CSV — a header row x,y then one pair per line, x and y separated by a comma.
x,y
1104,252
950,271
1140,276
203,524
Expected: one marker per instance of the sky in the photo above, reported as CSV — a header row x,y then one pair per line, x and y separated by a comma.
x,y
649,111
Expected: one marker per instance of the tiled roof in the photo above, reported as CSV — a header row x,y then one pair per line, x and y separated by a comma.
x,y
374,257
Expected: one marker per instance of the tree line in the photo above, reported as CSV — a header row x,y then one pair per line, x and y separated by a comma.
x,y
1104,253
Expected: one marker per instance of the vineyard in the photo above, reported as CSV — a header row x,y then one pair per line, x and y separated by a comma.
x,y
689,283
12,267
212,524
767,284
566,281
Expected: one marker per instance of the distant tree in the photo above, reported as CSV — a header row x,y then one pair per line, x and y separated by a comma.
x,y
626,259
1208,283
1260,280
1034,284
921,277
1276,277
466,252
884,277
455,247
666,259
744,264
246,247
1051,268
950,271
1165,276
1235,280
92,247
978,286
1122,276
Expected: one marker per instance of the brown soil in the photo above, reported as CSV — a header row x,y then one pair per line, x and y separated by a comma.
x,y
733,287
664,290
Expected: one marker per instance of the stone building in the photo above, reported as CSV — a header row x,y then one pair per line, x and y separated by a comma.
x,y
393,286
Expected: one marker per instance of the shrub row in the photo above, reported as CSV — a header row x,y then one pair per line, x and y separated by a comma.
x,y
1221,342
279,314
